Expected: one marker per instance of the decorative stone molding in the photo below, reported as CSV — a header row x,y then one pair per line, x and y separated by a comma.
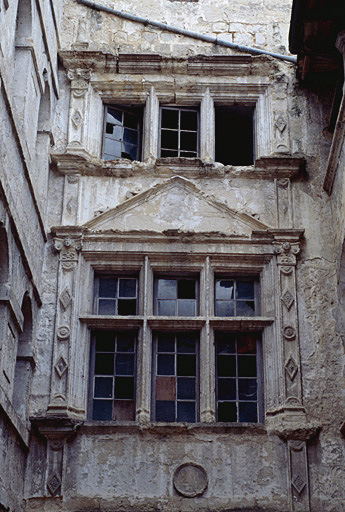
x,y
298,473
80,79
190,480
68,248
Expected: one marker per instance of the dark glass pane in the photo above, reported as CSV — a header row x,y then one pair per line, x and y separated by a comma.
x,y
247,389
109,128
169,118
246,366
248,412
225,343
186,289
186,307
104,364
130,120
169,139
186,388
165,410
107,288
103,387
246,343
129,151
166,153
167,289
124,364
225,308
166,342
167,307
245,290
106,307
102,410
130,136
165,364
186,365
224,289
188,154
112,147
245,308
105,342
124,410
188,141
186,342
189,120
186,411
234,135
127,307
127,287
124,387
114,116
226,366
226,389
227,411
125,342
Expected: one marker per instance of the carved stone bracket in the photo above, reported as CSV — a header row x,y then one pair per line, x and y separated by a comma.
x,y
80,79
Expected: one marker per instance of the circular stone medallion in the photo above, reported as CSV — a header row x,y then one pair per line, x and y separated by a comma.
x,y
190,480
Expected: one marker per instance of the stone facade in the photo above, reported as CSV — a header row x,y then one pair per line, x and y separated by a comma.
x,y
76,215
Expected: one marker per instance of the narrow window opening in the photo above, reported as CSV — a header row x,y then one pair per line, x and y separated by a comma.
x,y
122,133
234,132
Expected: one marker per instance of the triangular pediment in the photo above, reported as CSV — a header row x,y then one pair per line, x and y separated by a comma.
x,y
176,204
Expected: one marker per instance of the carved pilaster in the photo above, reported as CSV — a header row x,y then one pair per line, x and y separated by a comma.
x,y
68,249
80,82
286,252
70,200
281,121
298,475
57,433
283,198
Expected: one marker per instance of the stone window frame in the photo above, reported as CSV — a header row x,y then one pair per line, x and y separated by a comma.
x,y
205,97
146,322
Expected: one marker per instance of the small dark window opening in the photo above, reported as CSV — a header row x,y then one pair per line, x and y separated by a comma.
x,y
179,132
116,295
176,296
113,373
234,135
122,133
176,383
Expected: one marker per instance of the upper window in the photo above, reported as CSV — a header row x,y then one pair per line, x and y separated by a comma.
x,y
179,132
116,295
236,297
176,296
122,133
234,135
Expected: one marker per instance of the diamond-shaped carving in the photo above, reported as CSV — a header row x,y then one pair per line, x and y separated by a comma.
x,y
77,118
53,484
280,124
291,368
287,299
299,483
61,366
65,298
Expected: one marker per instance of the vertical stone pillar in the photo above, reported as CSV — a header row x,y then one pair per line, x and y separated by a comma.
x,y
286,252
298,473
207,128
151,126
78,115
283,198
68,249
281,142
143,406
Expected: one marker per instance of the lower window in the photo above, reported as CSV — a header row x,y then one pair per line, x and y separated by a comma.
x,y
176,385
238,377
113,375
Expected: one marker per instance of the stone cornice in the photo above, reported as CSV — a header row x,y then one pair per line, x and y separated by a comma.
x,y
267,168
141,63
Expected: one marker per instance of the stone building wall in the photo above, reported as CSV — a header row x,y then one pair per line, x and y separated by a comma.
x,y
268,222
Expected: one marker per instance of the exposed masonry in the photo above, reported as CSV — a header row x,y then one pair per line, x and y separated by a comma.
x,y
69,218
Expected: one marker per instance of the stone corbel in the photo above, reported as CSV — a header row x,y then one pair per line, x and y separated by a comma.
x,y
80,82
56,433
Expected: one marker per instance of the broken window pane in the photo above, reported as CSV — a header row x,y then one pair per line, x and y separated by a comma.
x,y
125,293
122,133
176,297
234,297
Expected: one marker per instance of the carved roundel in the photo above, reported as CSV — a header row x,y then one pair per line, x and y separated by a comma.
x,y
63,332
190,480
289,333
